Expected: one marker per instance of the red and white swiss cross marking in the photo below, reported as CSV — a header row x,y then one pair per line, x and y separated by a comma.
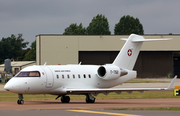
x,y
129,52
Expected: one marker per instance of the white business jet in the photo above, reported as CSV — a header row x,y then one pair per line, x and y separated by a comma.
x,y
89,80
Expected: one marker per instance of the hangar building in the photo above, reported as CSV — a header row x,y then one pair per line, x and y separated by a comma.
x,y
156,59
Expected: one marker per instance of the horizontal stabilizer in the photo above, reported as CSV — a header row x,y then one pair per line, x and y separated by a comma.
x,y
125,39
145,40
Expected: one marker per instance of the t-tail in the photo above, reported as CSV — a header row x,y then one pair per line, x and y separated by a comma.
x,y
130,51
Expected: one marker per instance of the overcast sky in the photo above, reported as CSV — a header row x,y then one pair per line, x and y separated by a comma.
x,y
33,17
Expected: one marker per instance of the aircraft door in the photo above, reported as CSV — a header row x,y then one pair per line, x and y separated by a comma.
x,y
49,76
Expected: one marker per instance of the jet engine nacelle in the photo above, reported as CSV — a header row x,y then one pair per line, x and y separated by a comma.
x,y
110,72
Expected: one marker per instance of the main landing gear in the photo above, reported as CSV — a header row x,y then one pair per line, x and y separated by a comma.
x,y
65,99
20,101
90,98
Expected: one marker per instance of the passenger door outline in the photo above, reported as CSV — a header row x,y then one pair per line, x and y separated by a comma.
x,y
49,76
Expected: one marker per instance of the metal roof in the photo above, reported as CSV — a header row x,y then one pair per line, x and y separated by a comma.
x,y
19,63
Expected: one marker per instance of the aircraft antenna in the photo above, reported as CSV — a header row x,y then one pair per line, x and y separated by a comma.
x,y
45,63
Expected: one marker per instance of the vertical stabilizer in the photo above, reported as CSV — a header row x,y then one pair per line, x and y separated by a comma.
x,y
129,52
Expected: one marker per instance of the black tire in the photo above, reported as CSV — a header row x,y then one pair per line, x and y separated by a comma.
x,y
89,100
65,99
62,99
20,102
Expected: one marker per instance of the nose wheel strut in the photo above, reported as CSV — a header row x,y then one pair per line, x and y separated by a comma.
x,y
20,101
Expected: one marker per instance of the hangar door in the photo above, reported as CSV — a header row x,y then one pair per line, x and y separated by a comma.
x,y
150,64
177,66
97,57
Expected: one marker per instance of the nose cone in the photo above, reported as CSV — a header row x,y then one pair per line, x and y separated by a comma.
x,y
16,85
10,85
7,87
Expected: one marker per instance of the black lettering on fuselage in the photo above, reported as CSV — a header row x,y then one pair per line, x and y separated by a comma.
x,y
114,71
62,70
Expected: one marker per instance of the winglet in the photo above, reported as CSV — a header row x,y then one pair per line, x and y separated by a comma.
x,y
171,85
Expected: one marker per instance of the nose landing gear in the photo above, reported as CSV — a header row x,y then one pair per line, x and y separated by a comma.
x,y
20,101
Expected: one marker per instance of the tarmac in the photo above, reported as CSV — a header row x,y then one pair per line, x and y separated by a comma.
x,y
89,113
98,105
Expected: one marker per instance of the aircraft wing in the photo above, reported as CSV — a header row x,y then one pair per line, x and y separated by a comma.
x,y
106,91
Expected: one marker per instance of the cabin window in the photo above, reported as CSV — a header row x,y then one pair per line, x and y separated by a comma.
x,y
73,76
29,74
84,76
68,76
63,76
89,76
79,76
57,76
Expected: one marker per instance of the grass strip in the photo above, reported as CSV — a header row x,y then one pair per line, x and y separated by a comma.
x,y
2,83
146,81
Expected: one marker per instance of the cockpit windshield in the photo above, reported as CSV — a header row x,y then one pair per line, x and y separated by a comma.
x,y
29,74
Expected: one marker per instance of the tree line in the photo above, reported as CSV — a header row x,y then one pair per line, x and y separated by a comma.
x,y
15,47
99,25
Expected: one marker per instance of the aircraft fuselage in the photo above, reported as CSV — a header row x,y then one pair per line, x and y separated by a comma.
x,y
56,78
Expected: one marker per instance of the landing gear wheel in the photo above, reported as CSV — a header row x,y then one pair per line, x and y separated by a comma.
x,y
89,100
20,102
65,99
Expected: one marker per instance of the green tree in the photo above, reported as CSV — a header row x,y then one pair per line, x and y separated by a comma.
x,y
98,26
2,53
31,54
11,47
74,29
23,53
128,25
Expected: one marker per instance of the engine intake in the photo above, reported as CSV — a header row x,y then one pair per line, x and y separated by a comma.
x,y
101,71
